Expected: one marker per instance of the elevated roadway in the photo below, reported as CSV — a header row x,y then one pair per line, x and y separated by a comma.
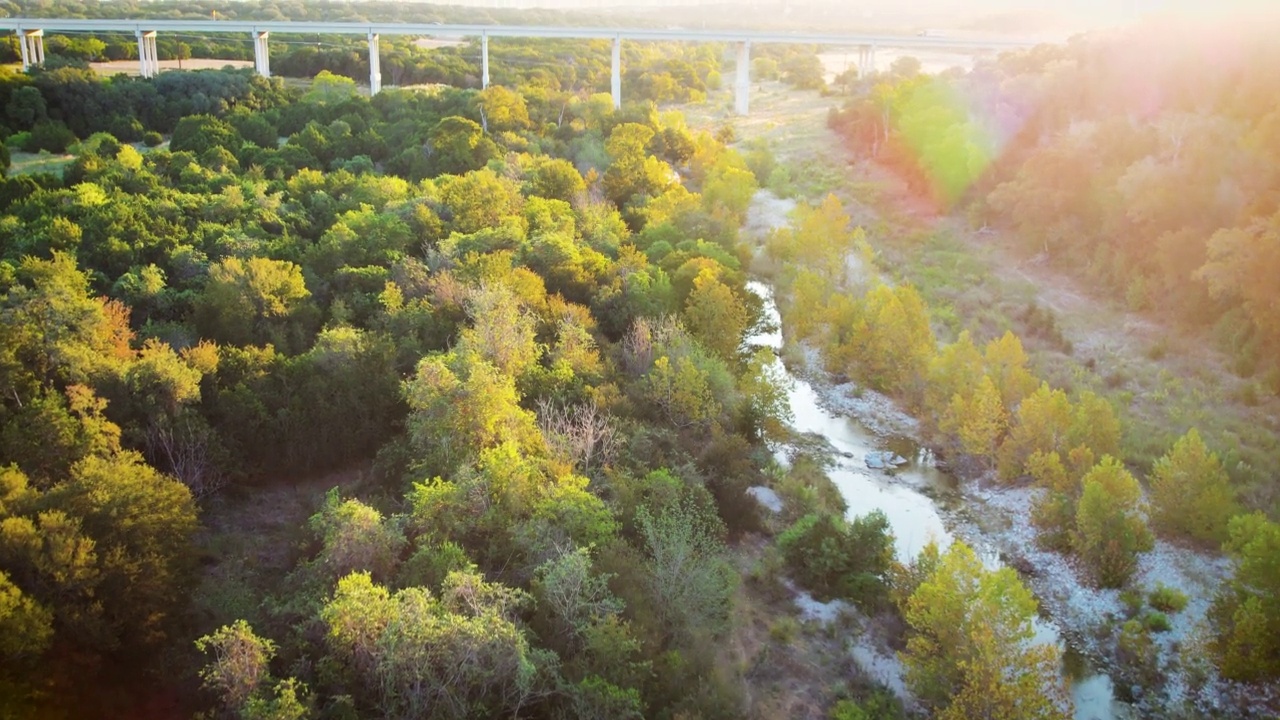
x,y
30,33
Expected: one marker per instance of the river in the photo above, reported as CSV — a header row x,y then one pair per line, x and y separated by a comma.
x,y
916,498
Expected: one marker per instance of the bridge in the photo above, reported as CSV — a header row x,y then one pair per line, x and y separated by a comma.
x,y
30,32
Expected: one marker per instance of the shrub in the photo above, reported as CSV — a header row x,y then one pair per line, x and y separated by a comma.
x,y
784,630
18,141
1132,601
1248,394
880,705
834,558
125,128
52,136
1137,653
1158,350
1167,599
152,139
1156,621
431,564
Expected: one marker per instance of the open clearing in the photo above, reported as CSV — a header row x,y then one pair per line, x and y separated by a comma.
x,y
130,67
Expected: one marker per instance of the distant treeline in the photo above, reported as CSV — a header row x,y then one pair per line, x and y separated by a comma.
x,y
1148,173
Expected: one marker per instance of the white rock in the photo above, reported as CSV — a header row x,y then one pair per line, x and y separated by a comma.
x,y
766,497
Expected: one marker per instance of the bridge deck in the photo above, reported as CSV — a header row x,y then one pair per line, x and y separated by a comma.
x,y
596,33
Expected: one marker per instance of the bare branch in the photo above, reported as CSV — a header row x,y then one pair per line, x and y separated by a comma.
x,y
583,434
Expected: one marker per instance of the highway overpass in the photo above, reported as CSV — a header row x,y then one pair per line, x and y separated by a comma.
x,y
31,31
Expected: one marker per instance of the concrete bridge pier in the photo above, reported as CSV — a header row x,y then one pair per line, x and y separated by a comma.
x,y
148,56
261,58
375,65
866,61
742,83
484,60
615,84
31,43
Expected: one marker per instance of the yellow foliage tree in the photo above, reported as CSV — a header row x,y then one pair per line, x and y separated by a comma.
x,y
683,391
955,370
1006,363
899,343
980,419
972,652
1043,423
715,316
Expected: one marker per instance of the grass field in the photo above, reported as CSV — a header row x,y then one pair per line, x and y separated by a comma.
x,y
24,163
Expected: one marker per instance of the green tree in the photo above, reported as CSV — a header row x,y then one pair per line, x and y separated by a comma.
x,y
690,578
1006,363
822,239
239,674
1191,494
26,627
201,133
555,179
355,537
1239,263
457,145
239,665
360,238
1246,614
106,555
142,523
896,351
682,390
479,200
26,107
456,656
729,187
289,703
971,652
834,558
502,330
182,51
1054,512
459,405
1110,527
328,88
633,174
575,597
1094,425
956,370
252,301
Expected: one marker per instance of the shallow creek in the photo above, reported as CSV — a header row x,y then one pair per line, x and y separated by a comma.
x,y
917,497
